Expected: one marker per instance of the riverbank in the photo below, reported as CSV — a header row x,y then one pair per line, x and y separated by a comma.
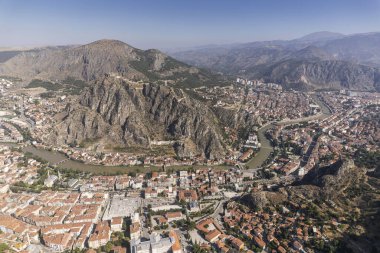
x,y
265,150
53,157
266,146
255,162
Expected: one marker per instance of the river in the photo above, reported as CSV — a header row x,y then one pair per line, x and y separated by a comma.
x,y
265,149
266,146
55,157
256,162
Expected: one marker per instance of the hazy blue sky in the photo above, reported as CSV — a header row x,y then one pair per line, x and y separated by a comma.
x,y
179,23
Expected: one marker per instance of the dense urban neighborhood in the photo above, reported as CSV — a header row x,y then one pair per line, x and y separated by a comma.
x,y
189,126
75,198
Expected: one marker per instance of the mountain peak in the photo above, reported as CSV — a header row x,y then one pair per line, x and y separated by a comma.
x,y
108,43
323,35
92,61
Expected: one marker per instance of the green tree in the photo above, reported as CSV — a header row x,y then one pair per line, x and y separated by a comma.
x,y
3,247
108,247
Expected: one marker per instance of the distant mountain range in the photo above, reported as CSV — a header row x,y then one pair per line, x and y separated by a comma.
x,y
114,113
92,61
316,61
321,60
8,53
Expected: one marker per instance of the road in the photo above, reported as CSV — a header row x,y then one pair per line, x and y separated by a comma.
x,y
195,236
305,157
105,206
30,122
266,146
312,145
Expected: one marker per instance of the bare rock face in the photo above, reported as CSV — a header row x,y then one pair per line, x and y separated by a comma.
x,y
345,176
334,179
116,113
258,200
327,183
235,118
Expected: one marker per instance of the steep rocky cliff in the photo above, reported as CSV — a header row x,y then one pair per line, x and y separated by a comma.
x,y
119,114
331,182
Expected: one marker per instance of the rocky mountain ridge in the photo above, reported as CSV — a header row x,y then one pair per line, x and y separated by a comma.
x,y
318,61
92,61
329,183
114,113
